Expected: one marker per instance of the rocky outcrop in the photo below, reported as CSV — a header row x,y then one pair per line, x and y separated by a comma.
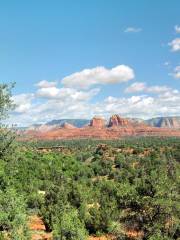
x,y
165,122
97,122
117,121
68,126
118,127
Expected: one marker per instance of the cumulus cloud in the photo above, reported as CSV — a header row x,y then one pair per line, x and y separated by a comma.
x,y
99,75
132,30
48,103
46,84
177,28
22,102
136,87
142,106
175,45
47,92
52,109
63,93
53,102
176,73
157,89
142,87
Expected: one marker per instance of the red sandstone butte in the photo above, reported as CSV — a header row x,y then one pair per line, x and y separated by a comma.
x,y
97,122
117,121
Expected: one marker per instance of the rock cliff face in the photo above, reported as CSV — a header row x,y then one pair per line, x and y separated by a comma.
x,y
118,127
165,122
117,121
97,122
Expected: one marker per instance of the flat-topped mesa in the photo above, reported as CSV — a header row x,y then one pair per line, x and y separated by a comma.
x,y
97,122
117,121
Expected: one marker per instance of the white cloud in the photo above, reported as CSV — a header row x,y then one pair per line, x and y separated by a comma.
x,y
132,30
142,106
22,102
176,73
177,28
50,103
99,75
142,87
63,93
157,89
175,45
48,92
136,87
53,102
46,84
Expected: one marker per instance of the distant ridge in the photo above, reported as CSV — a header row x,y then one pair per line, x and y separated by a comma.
x,y
97,128
164,122
79,123
160,122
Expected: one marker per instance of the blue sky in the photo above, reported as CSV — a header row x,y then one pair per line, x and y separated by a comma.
x,y
52,40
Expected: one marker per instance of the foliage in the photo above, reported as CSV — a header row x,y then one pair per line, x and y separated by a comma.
x,y
128,187
13,215
12,205
68,226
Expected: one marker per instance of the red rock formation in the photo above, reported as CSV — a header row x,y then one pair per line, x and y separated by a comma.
x,y
117,121
68,126
100,133
97,122
117,128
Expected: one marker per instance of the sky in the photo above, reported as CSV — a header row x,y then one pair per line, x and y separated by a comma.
x,y
77,59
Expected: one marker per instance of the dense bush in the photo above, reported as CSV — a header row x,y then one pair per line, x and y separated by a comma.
x,y
119,194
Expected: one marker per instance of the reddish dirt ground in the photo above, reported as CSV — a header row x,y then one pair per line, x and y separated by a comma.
x,y
36,223
37,229
38,232
101,238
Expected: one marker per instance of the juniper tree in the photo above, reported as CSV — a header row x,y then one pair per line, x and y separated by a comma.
x,y
6,104
12,205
